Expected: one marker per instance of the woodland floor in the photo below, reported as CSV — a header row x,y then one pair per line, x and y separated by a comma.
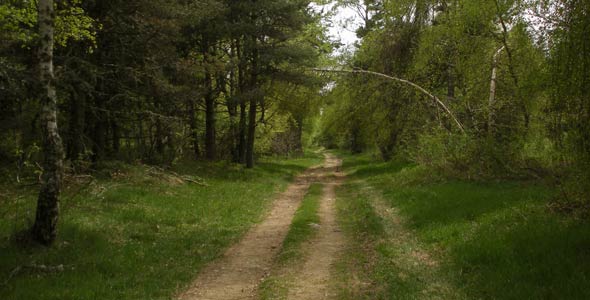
x,y
350,228
371,230
133,231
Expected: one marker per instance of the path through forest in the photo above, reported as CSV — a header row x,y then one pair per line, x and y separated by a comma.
x,y
244,265
312,280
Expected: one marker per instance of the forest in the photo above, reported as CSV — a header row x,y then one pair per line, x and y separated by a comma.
x,y
294,149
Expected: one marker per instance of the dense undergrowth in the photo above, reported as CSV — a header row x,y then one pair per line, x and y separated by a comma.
x,y
134,231
493,240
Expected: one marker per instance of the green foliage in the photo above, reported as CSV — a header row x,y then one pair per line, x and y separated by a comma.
x,y
18,21
132,76
452,155
73,24
532,124
569,105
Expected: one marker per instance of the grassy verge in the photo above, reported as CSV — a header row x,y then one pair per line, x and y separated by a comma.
x,y
493,240
356,277
137,233
275,286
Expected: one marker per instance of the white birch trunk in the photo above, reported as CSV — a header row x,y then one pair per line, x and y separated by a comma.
x,y
45,228
492,99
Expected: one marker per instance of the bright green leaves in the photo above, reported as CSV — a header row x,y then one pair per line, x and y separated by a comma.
x,y
72,24
18,23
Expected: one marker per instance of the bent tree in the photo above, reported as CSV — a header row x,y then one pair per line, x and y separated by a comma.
x,y
404,81
45,227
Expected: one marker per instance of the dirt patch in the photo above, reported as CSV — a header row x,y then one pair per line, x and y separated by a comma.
x,y
313,278
237,274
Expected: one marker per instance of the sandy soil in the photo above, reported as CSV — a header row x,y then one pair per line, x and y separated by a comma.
x,y
312,280
244,265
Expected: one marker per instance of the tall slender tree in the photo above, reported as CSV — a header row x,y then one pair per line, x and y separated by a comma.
x,y
45,228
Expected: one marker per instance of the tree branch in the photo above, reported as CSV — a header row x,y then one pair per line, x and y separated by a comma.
x,y
404,81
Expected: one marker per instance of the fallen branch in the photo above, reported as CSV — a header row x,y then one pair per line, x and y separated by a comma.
x,y
404,81
193,179
34,268
12,274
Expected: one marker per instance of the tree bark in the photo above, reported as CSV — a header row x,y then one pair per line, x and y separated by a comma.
x,y
210,151
194,129
492,98
99,128
116,134
298,147
99,148
254,95
140,139
242,131
251,132
242,86
159,138
44,229
76,128
523,106
232,108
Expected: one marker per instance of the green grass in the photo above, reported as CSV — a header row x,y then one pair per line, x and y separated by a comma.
x,y
136,236
494,240
300,229
275,286
356,272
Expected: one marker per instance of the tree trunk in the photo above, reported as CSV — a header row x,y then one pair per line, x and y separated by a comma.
x,y
492,98
159,138
251,132
140,138
45,227
254,94
99,138
194,130
242,88
99,131
116,134
242,132
232,108
76,128
210,151
298,137
404,81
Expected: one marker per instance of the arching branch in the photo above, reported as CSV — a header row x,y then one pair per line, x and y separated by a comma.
x,y
404,81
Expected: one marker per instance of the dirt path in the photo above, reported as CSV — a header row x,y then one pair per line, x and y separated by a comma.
x,y
313,278
237,274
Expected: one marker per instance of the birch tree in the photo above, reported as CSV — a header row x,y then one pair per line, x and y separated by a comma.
x,y
45,227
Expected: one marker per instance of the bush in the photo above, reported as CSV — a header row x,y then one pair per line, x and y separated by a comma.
x,y
465,156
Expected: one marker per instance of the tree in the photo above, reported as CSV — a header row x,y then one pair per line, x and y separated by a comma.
x,y
568,119
264,54
448,48
45,227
